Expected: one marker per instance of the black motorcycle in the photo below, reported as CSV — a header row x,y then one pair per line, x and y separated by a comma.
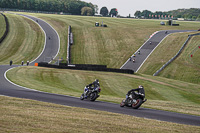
x,y
134,100
91,93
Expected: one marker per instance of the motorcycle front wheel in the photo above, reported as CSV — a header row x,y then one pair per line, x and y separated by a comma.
x,y
82,97
137,104
122,104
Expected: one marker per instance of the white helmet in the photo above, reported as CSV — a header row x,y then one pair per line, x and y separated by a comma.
x,y
140,86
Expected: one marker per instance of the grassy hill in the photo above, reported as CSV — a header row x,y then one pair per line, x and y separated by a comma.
x,y
184,67
25,40
110,46
2,25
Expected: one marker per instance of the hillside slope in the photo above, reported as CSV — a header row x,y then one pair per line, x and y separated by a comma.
x,y
2,25
184,67
110,46
25,40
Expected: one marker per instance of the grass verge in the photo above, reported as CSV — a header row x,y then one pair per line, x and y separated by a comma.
x,y
25,40
2,25
161,93
20,115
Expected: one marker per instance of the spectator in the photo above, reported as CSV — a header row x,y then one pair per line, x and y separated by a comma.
x,y
130,59
22,63
27,63
11,62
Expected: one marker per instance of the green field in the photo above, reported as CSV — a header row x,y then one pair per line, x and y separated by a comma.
x,y
25,116
25,41
184,67
2,25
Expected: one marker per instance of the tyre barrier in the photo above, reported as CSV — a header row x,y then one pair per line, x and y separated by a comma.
x,y
7,28
88,67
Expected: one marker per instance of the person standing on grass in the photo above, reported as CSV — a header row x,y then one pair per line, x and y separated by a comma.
x,y
22,63
11,62
27,63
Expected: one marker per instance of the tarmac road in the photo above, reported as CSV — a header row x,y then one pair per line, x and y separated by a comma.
x,y
9,89
147,48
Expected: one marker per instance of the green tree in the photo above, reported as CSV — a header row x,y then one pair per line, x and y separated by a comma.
x,y
113,12
146,13
198,18
87,11
137,14
194,18
104,11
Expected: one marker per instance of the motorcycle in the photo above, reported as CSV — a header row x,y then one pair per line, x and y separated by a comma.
x,y
135,102
91,93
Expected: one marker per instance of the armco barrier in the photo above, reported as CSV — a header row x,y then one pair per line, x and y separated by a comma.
x,y
70,42
68,45
7,29
88,67
179,52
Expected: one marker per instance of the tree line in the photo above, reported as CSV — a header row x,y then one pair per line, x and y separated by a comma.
x,y
73,7
104,12
187,14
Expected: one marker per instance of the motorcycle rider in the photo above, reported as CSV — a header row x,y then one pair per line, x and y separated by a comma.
x,y
140,90
91,86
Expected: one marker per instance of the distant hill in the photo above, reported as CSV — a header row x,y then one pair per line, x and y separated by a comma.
x,y
67,6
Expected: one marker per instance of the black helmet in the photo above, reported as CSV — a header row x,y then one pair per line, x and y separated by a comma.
x,y
96,80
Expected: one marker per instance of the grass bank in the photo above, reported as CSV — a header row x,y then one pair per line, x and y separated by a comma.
x,y
20,115
164,94
184,67
25,40
110,46
2,25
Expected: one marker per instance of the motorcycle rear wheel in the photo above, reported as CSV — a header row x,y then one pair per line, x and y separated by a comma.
x,y
93,96
137,104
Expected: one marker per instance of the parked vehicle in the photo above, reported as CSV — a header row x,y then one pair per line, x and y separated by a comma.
x,y
91,93
133,100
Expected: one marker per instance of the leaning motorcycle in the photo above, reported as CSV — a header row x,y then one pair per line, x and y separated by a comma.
x,y
134,100
91,93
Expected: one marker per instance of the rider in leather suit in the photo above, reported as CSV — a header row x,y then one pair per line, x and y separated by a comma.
x,y
91,86
140,90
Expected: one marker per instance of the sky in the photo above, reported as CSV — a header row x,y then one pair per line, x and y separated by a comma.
x,y
126,7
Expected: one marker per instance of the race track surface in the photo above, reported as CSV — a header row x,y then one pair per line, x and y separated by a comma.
x,y
9,89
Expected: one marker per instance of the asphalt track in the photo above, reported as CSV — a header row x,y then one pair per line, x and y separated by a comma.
x,y
9,89
147,48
